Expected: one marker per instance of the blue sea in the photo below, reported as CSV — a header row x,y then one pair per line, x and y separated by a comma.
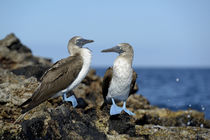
x,y
176,89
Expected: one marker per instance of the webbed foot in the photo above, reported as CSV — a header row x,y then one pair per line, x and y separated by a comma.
x,y
126,110
115,109
71,99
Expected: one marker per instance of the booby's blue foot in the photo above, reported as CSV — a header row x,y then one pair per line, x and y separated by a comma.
x,y
115,109
126,110
71,99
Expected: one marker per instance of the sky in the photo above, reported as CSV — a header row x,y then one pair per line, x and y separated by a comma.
x,y
163,33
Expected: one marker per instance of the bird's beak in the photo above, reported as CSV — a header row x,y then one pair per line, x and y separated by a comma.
x,y
85,41
114,49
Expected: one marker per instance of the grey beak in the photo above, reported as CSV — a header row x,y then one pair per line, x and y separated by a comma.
x,y
114,49
81,42
85,41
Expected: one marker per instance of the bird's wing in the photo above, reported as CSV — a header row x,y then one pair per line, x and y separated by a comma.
x,y
57,78
55,67
106,82
133,82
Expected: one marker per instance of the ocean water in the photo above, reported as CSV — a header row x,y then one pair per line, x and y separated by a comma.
x,y
176,89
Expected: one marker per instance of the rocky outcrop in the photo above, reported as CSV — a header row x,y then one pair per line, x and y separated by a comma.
x,y
55,119
17,57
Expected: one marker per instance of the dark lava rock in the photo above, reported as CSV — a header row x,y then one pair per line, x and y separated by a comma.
x,y
81,103
122,124
13,54
13,43
68,123
33,129
31,70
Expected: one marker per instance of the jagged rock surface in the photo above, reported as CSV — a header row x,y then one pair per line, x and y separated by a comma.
x,y
55,119
17,57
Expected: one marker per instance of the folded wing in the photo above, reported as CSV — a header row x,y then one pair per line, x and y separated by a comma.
x,y
57,78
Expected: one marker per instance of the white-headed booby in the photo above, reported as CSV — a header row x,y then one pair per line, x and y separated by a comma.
x,y
63,76
119,81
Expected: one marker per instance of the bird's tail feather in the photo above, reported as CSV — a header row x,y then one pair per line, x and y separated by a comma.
x,y
20,118
25,103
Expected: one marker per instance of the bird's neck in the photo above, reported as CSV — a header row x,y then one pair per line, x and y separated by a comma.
x,y
128,56
73,49
86,56
85,53
122,64
123,60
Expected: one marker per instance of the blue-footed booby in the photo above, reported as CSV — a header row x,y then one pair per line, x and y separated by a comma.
x,y
63,76
119,81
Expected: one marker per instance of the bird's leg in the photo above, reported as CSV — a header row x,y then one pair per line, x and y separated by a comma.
x,y
71,99
115,109
126,110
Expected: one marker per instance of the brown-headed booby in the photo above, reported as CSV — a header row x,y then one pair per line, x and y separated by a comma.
x,y
63,76
119,81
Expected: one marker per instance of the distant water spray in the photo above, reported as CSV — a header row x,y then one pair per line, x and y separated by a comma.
x,y
177,80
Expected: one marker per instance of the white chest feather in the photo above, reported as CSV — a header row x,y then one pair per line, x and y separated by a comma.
x,y
121,79
86,56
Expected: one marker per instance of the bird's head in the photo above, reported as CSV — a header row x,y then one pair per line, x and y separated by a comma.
x,y
77,42
122,49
